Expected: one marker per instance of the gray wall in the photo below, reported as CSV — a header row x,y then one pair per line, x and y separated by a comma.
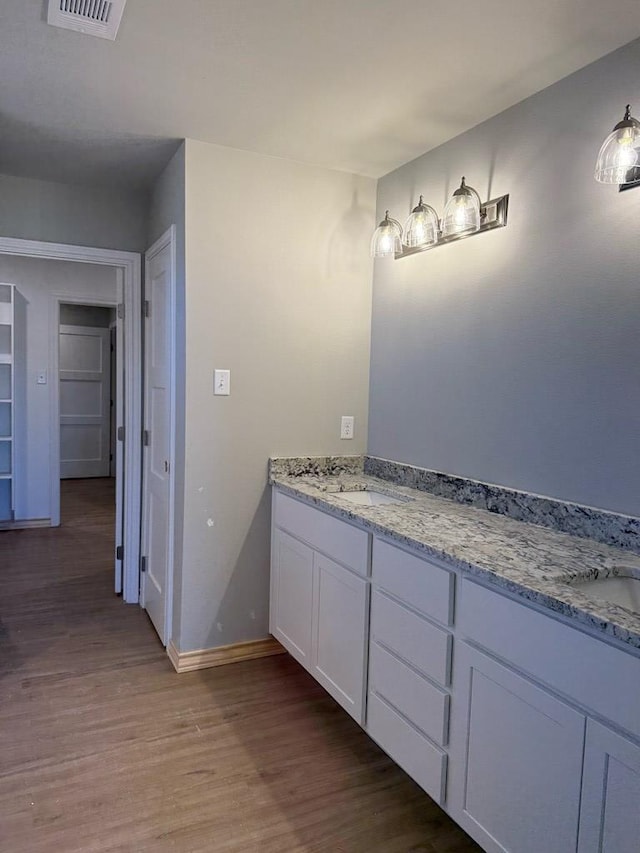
x,y
168,208
61,213
513,357
278,290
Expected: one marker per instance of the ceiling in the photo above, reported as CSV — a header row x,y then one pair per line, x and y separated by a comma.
x,y
355,85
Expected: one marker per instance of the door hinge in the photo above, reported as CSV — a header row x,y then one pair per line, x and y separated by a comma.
x,y
146,437
111,457
120,553
121,311
120,433
143,564
146,308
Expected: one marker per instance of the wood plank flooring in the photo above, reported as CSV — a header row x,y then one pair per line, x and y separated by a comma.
x,y
103,747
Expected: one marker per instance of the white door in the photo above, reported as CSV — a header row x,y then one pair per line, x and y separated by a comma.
x,y
157,521
610,812
518,750
85,393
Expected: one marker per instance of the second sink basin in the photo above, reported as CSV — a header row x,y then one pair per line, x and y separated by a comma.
x,y
369,498
622,589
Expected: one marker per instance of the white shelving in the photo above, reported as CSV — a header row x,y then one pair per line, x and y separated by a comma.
x,y
7,401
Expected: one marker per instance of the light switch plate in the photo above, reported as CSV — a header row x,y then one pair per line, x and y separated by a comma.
x,y
222,383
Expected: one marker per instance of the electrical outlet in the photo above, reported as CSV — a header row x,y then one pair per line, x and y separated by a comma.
x,y
346,426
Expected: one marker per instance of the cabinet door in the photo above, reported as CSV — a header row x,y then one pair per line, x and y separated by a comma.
x,y
340,633
292,595
517,750
610,812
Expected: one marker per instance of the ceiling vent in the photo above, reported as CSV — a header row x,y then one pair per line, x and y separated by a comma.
x,y
93,17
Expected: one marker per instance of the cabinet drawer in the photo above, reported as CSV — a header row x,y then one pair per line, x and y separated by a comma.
x,y
337,539
422,703
420,583
423,761
589,671
419,642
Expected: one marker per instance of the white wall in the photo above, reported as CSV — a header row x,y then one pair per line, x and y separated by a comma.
x,y
37,280
512,357
61,213
278,290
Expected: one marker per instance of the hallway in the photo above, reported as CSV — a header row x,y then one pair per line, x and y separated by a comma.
x,y
103,747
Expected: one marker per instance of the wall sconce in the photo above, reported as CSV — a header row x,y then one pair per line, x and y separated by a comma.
x,y
387,238
463,216
619,155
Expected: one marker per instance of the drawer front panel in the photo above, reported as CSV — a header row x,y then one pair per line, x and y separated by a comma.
x,y
337,539
421,702
420,583
589,671
419,642
423,761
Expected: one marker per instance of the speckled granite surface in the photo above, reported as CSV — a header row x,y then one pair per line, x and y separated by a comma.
x,y
607,527
537,563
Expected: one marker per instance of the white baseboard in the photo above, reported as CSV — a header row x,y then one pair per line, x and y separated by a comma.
x,y
25,524
221,655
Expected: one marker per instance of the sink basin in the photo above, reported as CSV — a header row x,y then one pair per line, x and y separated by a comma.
x,y
368,497
623,589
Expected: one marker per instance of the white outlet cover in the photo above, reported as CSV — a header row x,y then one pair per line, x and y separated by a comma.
x,y
347,426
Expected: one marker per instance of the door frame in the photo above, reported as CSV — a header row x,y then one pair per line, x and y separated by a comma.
x,y
166,239
128,266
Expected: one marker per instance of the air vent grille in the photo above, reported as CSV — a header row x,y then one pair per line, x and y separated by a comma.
x,y
93,17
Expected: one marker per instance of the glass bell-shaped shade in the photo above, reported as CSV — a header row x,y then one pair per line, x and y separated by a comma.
x,y
620,152
462,213
387,238
421,227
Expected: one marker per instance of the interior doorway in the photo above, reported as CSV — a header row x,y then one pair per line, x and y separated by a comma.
x,y
127,268
87,383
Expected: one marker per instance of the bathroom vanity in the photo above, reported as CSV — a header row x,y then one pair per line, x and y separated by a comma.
x,y
460,640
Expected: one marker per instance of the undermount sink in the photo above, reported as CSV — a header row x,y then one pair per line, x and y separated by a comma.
x,y
367,497
623,588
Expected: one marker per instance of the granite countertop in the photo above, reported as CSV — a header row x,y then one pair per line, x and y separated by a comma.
x,y
535,562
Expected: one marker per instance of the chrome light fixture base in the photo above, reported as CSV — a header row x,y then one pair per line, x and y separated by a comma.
x,y
493,214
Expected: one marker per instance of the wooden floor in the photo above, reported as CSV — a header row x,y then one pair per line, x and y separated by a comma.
x,y
103,747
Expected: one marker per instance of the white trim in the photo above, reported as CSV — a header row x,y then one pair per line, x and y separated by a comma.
x,y
168,239
128,265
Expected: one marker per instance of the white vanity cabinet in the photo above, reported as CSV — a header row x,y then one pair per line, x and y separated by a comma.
x,y
520,759
292,595
532,769
523,727
319,607
410,652
610,815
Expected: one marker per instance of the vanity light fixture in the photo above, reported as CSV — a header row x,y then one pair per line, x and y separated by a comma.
x,y
619,158
387,238
463,216
462,213
421,228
